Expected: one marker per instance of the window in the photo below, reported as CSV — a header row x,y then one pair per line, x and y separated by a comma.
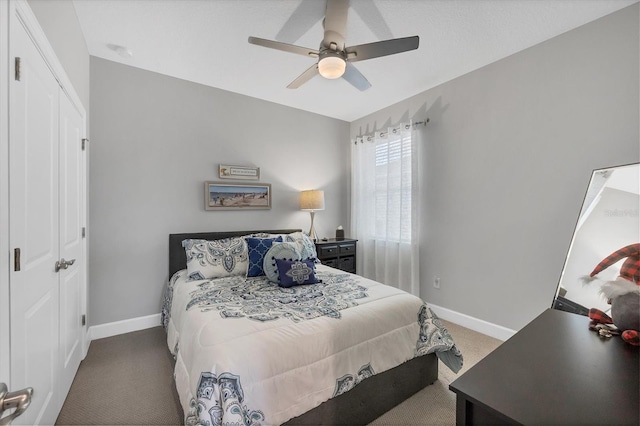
x,y
393,188
384,210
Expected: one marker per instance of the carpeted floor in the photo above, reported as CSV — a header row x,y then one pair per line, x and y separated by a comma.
x,y
127,380
420,409
124,380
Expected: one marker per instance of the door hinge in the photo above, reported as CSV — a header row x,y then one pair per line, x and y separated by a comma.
x,y
84,143
18,68
84,320
16,259
84,232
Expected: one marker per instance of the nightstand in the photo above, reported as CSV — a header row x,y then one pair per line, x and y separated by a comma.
x,y
339,254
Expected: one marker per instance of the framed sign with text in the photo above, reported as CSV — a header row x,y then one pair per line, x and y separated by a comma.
x,y
239,172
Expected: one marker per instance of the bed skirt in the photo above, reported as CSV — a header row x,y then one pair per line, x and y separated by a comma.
x,y
375,396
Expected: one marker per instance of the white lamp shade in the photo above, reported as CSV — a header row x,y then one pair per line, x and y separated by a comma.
x,y
312,200
331,67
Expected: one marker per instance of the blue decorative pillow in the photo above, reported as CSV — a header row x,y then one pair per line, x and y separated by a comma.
x,y
296,272
258,247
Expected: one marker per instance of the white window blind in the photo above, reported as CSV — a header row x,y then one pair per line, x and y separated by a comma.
x,y
393,188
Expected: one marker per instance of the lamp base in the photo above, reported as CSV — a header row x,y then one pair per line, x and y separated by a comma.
x,y
312,232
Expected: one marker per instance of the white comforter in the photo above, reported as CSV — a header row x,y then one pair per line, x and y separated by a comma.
x,y
250,352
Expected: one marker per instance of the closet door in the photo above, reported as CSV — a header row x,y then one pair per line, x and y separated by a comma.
x,y
71,247
34,230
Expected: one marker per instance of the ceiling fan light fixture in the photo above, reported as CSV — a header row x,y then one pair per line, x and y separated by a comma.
x,y
332,67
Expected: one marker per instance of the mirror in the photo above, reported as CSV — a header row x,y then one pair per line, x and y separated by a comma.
x,y
609,220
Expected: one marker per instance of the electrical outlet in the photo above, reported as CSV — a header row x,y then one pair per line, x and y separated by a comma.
x,y
436,282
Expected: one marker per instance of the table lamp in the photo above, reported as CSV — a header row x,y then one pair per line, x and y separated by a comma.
x,y
311,201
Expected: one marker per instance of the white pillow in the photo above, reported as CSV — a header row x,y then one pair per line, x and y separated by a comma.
x,y
307,247
216,259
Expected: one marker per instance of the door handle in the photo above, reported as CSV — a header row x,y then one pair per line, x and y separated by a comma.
x,y
19,400
64,264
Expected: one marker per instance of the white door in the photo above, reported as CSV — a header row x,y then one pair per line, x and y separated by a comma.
x,y
71,244
34,223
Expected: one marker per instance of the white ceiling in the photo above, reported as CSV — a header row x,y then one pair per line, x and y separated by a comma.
x,y
205,41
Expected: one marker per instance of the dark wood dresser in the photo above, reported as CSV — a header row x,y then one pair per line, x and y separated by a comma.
x,y
340,254
553,371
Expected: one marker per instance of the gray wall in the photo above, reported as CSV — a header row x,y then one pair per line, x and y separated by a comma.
x,y
156,139
511,148
510,152
60,23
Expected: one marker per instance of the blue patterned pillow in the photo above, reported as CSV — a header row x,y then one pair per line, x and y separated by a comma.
x,y
216,259
257,248
296,272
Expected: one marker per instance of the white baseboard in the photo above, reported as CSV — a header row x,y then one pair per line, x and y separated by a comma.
x,y
481,326
125,326
134,324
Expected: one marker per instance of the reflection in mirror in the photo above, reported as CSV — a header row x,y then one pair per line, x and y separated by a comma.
x,y
609,220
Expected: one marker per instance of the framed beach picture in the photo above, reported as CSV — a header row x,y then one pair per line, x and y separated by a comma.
x,y
235,196
238,172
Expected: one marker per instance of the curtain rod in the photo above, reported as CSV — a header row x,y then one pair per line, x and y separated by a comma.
x,y
368,136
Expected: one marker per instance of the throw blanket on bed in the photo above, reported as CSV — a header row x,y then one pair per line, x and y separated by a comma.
x,y
249,352
261,300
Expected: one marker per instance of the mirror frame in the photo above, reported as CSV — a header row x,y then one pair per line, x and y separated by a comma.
x,y
585,256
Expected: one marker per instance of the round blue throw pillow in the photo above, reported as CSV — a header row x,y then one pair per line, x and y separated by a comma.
x,y
284,250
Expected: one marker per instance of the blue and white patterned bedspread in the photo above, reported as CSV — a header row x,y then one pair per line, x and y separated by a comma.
x,y
249,352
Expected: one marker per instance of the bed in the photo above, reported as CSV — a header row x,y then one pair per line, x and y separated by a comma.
x,y
230,357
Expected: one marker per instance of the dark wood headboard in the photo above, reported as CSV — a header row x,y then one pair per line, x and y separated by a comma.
x,y
177,256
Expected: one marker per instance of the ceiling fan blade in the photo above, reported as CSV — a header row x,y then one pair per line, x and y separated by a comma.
x,y
311,72
355,77
284,47
335,23
382,48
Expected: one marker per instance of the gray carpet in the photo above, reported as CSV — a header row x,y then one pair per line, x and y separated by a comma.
x,y
127,380
124,380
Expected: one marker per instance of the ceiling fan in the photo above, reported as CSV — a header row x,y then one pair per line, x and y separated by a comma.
x,y
334,58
